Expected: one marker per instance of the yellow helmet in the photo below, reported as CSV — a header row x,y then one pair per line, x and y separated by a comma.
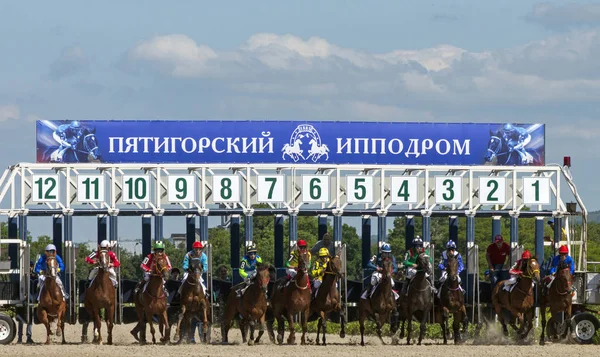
x,y
323,252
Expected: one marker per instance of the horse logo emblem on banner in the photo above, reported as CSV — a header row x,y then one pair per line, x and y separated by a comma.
x,y
305,134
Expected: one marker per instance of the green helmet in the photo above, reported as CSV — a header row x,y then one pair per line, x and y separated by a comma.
x,y
159,245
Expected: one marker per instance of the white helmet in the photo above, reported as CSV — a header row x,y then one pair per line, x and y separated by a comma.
x,y
105,244
50,247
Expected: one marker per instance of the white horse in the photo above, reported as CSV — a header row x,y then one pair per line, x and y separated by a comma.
x,y
317,151
293,150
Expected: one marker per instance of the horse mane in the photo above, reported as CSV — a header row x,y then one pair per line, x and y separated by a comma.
x,y
262,266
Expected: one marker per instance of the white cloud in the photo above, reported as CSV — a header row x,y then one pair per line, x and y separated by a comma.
x,y
564,16
71,61
8,112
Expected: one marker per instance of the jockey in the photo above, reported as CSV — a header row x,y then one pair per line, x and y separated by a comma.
x,y
195,253
114,263
159,250
248,267
410,263
450,250
41,265
376,263
517,270
319,270
563,256
292,263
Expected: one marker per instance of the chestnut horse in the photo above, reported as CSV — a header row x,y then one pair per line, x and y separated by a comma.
x,y
52,307
559,298
194,303
289,300
452,301
380,305
152,300
328,297
519,303
252,306
101,294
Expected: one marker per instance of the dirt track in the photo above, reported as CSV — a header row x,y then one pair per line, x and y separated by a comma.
x,y
125,345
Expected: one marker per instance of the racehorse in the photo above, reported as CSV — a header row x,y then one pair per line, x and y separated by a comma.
x,y
559,299
252,306
380,304
518,303
152,300
101,294
452,301
289,300
193,302
498,149
419,299
328,297
85,150
52,306
317,151
294,151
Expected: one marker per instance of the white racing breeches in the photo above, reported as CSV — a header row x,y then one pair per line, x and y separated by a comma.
x,y
111,273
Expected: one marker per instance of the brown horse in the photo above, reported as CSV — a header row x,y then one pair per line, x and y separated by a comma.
x,y
380,305
452,301
52,307
101,295
328,297
419,299
252,306
291,299
519,303
559,298
152,300
193,301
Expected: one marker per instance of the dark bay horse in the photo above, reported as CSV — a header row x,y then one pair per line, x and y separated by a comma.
x,y
380,305
252,306
193,302
519,303
419,299
286,301
328,297
52,307
559,299
452,301
152,300
101,294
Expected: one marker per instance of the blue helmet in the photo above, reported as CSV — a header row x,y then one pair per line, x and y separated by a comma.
x,y
76,124
386,248
508,127
450,245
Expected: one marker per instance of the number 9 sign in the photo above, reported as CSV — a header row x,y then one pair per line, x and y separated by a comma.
x,y
181,188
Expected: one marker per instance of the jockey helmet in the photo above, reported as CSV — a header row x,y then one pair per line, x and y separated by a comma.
x,y
450,245
386,248
551,221
526,255
563,249
251,248
498,238
197,245
301,243
76,124
105,244
323,252
50,247
417,242
508,127
159,245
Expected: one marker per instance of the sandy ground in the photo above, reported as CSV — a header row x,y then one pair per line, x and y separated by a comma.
x,y
125,345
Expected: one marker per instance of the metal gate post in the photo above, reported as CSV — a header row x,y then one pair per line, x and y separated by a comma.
x,y
426,226
409,232
365,247
190,231
496,226
102,227
113,237
146,235
514,237
57,233
70,276
539,243
279,251
453,228
322,225
234,232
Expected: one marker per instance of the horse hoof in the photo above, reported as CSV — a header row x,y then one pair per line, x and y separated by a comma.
x,y
342,334
250,342
134,335
542,343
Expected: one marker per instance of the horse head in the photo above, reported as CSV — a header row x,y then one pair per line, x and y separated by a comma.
x,y
452,268
196,268
263,275
161,266
103,260
51,270
494,146
90,145
334,266
388,269
564,272
423,263
533,270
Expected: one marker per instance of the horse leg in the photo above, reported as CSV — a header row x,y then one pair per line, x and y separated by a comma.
x,y
164,319
304,320
97,326
292,337
324,324
43,317
379,325
84,329
62,324
444,324
178,332
409,328
343,324
205,325
151,323
319,323
456,326
500,314
361,322
110,312
423,326
543,314
261,328
280,329
244,329
251,325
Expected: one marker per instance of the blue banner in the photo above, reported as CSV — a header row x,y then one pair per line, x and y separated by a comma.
x,y
285,142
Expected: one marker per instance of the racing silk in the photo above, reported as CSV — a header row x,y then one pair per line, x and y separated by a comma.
x,y
190,255
247,265
149,260
319,269
377,261
444,263
113,258
517,139
41,264
411,256
66,135
517,268
568,260
292,262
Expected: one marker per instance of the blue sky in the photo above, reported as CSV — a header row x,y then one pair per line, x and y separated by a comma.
x,y
448,61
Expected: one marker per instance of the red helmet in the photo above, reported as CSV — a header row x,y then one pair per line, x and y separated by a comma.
x,y
301,243
563,249
526,255
197,245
